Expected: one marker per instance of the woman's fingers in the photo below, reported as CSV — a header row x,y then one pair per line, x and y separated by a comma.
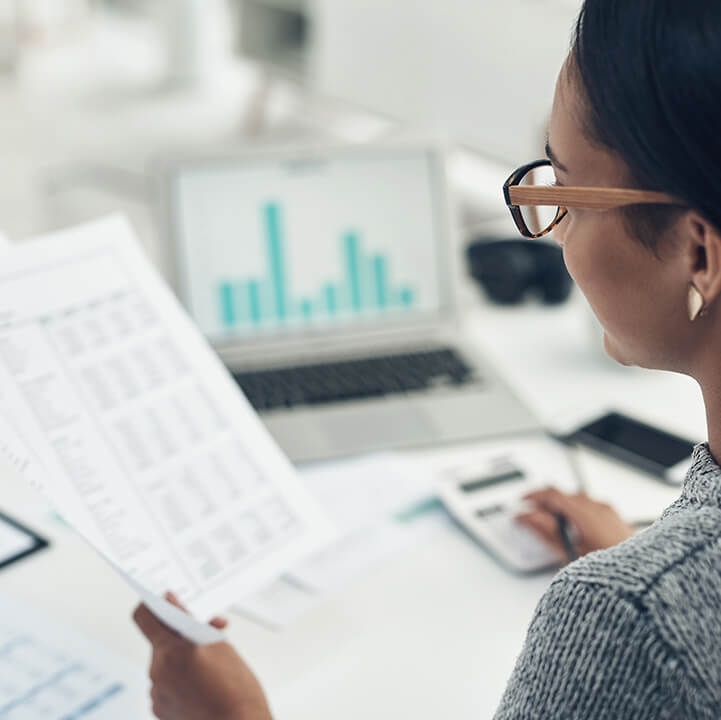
x,y
154,630
544,525
217,622
172,598
163,706
596,525
550,498
554,501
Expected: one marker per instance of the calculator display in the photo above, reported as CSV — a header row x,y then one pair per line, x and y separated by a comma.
x,y
502,476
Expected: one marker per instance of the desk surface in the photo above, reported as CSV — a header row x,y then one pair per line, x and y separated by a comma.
x,y
435,630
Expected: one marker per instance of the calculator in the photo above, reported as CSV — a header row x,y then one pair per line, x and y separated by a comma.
x,y
485,501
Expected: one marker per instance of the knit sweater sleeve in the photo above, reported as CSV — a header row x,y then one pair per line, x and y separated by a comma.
x,y
593,653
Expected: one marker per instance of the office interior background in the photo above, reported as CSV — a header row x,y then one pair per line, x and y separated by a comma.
x,y
237,73
96,96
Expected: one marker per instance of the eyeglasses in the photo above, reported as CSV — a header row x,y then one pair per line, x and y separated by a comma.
x,y
538,205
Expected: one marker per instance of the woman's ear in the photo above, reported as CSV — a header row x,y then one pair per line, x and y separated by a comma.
x,y
702,243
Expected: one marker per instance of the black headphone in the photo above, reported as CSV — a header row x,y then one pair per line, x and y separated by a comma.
x,y
510,269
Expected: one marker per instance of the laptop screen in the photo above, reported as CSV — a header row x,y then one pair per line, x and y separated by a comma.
x,y
273,245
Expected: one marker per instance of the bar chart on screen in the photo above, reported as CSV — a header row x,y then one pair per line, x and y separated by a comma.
x,y
273,246
362,285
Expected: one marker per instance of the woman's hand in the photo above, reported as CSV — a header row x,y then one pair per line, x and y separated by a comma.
x,y
597,525
193,682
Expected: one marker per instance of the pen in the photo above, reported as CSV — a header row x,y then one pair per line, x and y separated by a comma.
x,y
566,537
572,454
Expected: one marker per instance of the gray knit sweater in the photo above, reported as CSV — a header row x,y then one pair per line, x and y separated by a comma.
x,y
634,631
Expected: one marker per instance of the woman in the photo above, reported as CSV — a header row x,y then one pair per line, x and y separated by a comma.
x,y
633,631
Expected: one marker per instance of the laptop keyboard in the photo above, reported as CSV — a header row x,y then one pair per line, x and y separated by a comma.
x,y
353,379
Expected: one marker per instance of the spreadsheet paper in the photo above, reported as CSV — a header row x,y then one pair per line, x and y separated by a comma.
x,y
147,446
49,673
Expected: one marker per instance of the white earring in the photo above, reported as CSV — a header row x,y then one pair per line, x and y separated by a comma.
x,y
696,303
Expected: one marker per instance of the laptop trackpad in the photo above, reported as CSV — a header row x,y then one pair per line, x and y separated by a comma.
x,y
378,427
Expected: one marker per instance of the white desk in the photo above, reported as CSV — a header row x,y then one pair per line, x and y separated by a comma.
x,y
432,633
436,629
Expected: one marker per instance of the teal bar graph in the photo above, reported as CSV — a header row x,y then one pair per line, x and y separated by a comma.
x,y
352,261
276,258
364,284
227,306
331,299
406,297
241,303
380,281
254,301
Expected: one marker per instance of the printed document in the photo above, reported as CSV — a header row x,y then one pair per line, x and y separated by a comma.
x,y
134,428
47,673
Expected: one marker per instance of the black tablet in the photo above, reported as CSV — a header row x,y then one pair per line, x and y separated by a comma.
x,y
17,541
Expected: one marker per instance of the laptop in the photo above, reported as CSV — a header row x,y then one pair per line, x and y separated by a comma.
x,y
325,279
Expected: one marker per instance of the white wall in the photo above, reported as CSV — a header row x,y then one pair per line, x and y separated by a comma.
x,y
482,71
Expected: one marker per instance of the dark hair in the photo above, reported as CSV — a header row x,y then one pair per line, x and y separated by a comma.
x,y
651,74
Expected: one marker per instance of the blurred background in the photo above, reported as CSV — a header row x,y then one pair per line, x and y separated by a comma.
x,y
98,98
92,91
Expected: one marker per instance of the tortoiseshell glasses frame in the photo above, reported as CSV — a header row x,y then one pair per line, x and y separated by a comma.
x,y
564,197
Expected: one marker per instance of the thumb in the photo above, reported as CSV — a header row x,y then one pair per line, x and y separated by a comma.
x,y
155,631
